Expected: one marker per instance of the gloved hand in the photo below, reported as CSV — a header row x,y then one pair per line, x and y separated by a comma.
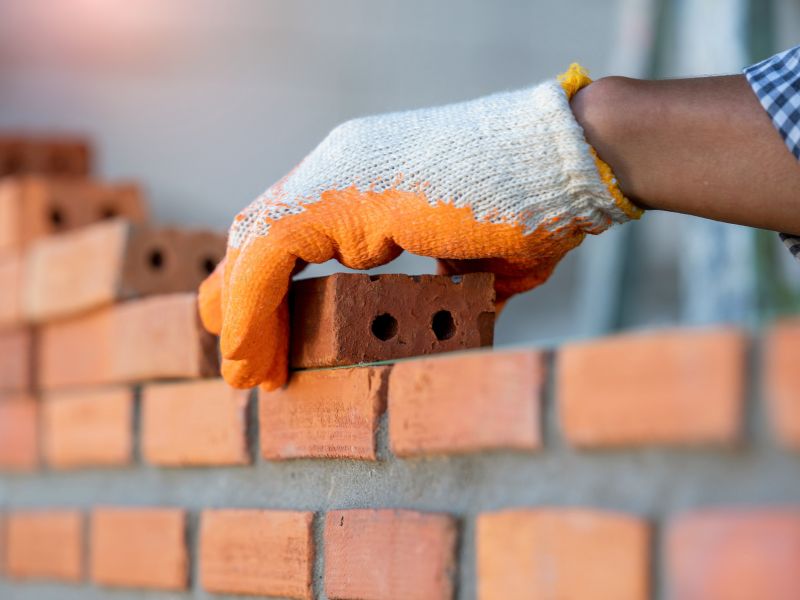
x,y
505,183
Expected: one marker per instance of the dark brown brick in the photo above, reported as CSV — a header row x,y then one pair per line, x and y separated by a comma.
x,y
45,155
348,318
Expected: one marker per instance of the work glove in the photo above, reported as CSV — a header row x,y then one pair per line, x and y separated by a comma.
x,y
505,183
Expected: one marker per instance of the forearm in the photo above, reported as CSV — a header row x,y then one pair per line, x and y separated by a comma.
x,y
700,146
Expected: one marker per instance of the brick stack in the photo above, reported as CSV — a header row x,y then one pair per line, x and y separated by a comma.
x,y
656,464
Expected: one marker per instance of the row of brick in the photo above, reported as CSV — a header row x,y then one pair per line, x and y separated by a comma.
x,y
665,388
721,553
159,337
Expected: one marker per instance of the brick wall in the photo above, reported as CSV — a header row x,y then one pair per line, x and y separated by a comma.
x,y
657,464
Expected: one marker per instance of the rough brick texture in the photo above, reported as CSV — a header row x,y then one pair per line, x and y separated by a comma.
x,y
88,428
154,338
16,359
466,403
734,555
389,555
782,379
663,387
324,414
350,318
19,432
35,207
45,545
561,553
11,280
259,552
194,423
98,265
139,548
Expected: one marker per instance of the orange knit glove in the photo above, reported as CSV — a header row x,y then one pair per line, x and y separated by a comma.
x,y
505,183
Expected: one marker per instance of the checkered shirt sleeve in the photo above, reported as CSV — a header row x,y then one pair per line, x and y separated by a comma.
x,y
776,83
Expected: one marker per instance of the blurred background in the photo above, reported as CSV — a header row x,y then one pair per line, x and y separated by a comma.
x,y
207,103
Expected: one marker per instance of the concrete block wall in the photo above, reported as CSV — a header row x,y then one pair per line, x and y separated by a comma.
x,y
659,464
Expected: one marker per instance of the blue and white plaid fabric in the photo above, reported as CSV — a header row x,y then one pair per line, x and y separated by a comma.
x,y
776,82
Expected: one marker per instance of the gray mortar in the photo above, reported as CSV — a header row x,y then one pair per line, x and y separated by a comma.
x,y
652,483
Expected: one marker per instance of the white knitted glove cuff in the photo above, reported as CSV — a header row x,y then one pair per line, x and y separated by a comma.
x,y
563,182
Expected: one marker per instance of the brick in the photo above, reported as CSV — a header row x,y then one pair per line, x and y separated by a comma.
x,y
194,424
260,552
54,156
45,544
154,338
139,548
734,554
527,554
19,432
16,359
88,428
114,260
35,207
389,555
782,380
663,387
11,274
466,403
349,318
324,414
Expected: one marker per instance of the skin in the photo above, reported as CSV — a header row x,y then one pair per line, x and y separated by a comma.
x,y
704,147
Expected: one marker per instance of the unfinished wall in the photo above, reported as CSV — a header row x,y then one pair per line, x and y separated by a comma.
x,y
658,464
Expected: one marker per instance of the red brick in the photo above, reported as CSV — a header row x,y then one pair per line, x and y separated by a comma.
x,y
466,403
19,432
734,554
110,261
16,359
139,548
35,207
527,554
663,387
324,414
11,280
389,555
155,338
350,318
259,552
45,545
88,428
194,423
782,380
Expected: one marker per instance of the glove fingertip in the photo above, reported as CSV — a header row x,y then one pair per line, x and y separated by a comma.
x,y
209,302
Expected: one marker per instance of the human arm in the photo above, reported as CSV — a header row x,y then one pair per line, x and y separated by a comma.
x,y
702,146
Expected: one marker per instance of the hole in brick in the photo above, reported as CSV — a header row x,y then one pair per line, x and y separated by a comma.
x,y
456,278
374,277
443,325
208,265
384,327
416,278
155,259
108,212
56,218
